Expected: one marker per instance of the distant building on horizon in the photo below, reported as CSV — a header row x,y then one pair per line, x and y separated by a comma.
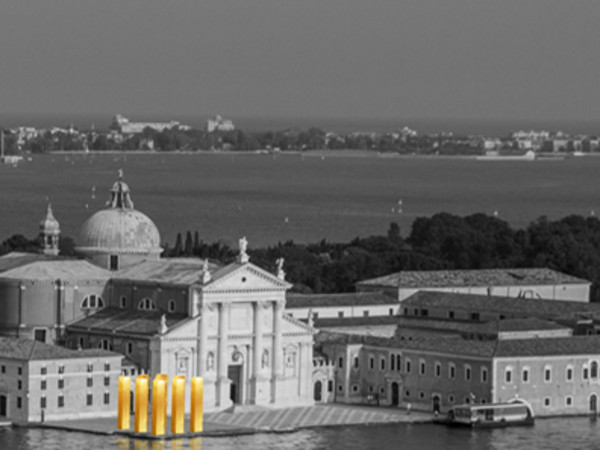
x,y
123,125
219,124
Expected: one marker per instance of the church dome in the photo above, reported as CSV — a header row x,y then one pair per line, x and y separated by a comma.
x,y
119,229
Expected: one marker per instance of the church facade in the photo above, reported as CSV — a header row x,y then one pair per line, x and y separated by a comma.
x,y
172,316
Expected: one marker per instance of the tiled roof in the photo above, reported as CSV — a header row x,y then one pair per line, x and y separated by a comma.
x,y
576,345
64,270
126,321
29,350
483,277
524,307
345,299
176,271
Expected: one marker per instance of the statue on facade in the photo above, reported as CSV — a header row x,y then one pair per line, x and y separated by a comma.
x,y
163,324
243,256
205,273
280,271
311,318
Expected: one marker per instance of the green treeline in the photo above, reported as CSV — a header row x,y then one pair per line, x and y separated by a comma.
x,y
443,241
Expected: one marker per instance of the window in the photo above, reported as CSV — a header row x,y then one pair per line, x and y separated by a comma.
x,y
585,373
398,361
105,344
61,401
392,363
421,394
106,398
475,316
484,374
61,369
467,369
340,388
341,314
43,402
424,312
114,262
406,311
20,371
355,388
92,302
366,313
508,375
106,367
421,367
129,347
547,374
407,394
40,334
106,381
594,370
382,390
89,400
382,364
147,304
407,363
451,398
450,314
19,385
371,362
330,386
341,362
525,375
569,374
467,400
3,369
90,367
391,311
569,401
81,342
438,369
123,301
19,402
61,383
171,305
451,371
43,370
43,385
90,382
547,401
356,362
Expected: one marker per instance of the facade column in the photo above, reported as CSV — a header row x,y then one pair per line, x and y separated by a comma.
x,y
202,350
260,388
222,381
277,350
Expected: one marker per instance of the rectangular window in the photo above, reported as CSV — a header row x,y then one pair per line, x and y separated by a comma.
x,y
438,370
114,262
19,402
3,369
61,369
90,367
450,314
408,366
547,374
106,367
475,316
467,373
525,376
371,362
392,363
366,313
341,314
382,364
422,367
356,362
424,312
43,385
391,311
547,401
398,363
106,398
61,383
569,401
20,371
43,370
340,362
585,373
90,382
569,374
89,399
61,401
484,375
43,402
452,371
19,385
508,375
330,386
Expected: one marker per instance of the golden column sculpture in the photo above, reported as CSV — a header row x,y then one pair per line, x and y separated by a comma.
x,y
159,404
197,405
178,404
124,403
142,386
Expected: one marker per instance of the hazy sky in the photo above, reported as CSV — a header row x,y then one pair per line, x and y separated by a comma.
x,y
359,58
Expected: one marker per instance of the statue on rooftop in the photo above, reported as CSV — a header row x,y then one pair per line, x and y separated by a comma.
x,y
280,271
163,324
243,256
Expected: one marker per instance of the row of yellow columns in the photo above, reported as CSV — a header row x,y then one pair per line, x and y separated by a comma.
x,y
159,404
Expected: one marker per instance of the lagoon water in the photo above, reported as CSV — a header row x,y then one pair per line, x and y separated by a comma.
x,y
271,198
559,434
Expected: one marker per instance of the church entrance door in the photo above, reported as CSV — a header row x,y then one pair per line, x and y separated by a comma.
x,y
234,373
395,394
318,391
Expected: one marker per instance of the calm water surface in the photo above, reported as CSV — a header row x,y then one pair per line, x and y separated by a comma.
x,y
271,198
560,434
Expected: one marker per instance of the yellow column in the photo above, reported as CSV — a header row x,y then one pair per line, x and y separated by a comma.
x,y
197,405
124,403
178,404
141,404
159,405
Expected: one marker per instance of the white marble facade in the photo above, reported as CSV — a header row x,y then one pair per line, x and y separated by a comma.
x,y
239,339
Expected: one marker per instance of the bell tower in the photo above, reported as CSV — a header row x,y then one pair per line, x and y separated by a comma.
x,y
49,233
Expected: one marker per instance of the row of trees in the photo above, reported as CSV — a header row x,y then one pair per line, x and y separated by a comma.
x,y
443,241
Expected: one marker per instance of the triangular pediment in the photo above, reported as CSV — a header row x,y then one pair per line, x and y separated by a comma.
x,y
244,277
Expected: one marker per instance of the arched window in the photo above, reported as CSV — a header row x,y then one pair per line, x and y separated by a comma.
x,y
171,305
147,304
594,369
92,302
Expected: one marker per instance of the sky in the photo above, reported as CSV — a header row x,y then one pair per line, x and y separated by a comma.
x,y
460,59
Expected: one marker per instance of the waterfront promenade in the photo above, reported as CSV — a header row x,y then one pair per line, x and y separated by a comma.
x,y
250,420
